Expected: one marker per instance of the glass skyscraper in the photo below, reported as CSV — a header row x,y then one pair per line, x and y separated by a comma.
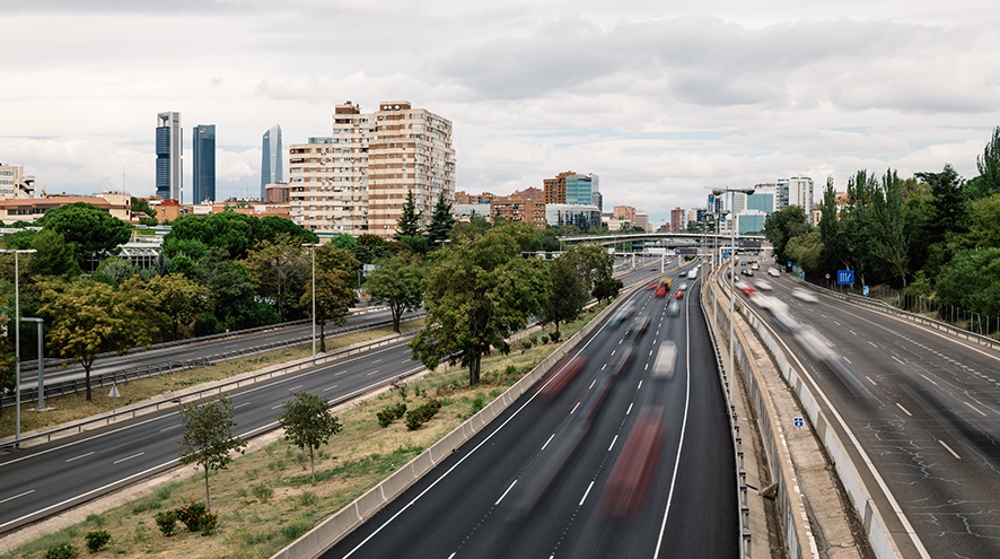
x,y
270,167
169,180
203,146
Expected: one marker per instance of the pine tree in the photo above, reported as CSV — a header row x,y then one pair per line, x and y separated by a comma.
x,y
409,222
441,222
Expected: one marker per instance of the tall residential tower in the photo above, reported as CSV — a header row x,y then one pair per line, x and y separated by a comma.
x,y
270,166
169,169
203,183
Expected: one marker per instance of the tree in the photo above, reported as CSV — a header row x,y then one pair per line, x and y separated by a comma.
x,y
53,256
114,271
984,229
478,294
279,270
408,224
233,292
272,226
344,241
971,281
194,234
441,222
888,243
87,318
397,282
782,225
568,292
371,248
208,439
593,263
335,269
8,360
141,205
179,299
807,251
989,168
308,423
90,229
947,217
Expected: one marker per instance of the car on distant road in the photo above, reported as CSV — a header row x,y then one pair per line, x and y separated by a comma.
x,y
674,308
804,295
773,272
763,285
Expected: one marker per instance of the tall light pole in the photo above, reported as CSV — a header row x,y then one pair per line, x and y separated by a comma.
x,y
732,290
17,343
313,247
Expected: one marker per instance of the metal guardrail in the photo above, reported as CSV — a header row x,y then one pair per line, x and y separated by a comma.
x,y
198,394
72,386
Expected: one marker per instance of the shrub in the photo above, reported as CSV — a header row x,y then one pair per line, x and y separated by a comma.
x,y
63,551
166,521
554,336
262,492
96,540
390,414
190,515
525,344
422,414
308,499
478,403
209,523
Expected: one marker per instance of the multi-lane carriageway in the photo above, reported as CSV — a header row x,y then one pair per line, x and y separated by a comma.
x,y
617,462
42,480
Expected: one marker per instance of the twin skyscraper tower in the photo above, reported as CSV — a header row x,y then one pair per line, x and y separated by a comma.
x,y
170,166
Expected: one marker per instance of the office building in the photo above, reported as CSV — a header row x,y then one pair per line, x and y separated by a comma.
x,y
357,180
169,150
271,171
642,221
203,177
586,217
795,191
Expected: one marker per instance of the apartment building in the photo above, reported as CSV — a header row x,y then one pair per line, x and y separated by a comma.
x,y
624,213
520,206
14,183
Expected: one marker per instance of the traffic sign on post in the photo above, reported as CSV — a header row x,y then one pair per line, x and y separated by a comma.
x,y
865,290
845,277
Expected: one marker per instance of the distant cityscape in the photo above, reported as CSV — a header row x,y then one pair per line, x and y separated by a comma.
x,y
356,180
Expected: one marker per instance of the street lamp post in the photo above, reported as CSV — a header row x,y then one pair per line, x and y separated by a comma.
x,y
17,343
313,247
732,292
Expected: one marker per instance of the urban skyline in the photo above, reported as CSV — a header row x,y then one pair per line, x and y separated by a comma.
x,y
665,102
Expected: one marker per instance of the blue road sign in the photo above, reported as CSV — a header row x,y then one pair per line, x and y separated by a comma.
x,y
845,277
866,290
725,254
789,263
799,422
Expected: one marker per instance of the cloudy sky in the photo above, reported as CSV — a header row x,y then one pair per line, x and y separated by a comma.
x,y
662,99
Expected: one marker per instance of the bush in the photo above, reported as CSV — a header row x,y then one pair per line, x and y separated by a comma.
x,y
422,414
478,403
262,492
96,540
554,336
525,344
190,515
63,551
545,339
209,523
390,414
166,521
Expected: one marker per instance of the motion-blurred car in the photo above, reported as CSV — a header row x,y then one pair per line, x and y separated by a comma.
x,y
804,295
679,294
773,272
674,308
746,288
763,285
666,358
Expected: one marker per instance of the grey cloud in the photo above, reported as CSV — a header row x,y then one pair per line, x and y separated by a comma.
x,y
172,7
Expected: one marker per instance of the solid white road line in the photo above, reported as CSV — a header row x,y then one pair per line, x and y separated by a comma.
x,y
906,411
129,458
585,493
948,448
75,458
16,496
504,495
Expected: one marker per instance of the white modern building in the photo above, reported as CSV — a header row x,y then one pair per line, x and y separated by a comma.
x,y
169,151
271,171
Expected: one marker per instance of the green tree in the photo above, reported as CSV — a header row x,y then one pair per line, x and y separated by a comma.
x,y
971,281
984,228
87,318
8,360
307,422
568,292
233,292
988,181
90,229
371,248
272,226
138,205
279,270
782,225
115,271
408,224
344,241
20,240
478,293
946,219
208,439
179,299
441,222
807,251
335,270
194,234
887,240
397,282
53,256
593,262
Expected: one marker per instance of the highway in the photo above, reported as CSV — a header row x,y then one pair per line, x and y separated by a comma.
x,y
611,461
924,410
42,480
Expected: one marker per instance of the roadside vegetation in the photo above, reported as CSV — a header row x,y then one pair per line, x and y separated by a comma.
x,y
929,243
267,498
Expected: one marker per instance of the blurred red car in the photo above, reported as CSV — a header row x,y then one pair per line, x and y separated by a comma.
x,y
679,294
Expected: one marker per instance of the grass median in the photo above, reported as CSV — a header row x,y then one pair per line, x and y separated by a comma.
x,y
265,499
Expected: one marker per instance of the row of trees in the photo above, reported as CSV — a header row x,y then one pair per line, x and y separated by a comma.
x,y
231,271
934,234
